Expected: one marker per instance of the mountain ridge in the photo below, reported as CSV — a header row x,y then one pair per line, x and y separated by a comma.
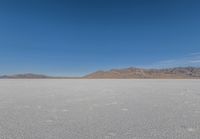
x,y
124,73
141,73
25,75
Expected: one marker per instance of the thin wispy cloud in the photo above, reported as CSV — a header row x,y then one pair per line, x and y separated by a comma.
x,y
195,54
191,59
195,61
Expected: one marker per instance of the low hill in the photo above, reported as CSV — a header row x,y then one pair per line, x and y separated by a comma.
x,y
24,76
126,73
139,73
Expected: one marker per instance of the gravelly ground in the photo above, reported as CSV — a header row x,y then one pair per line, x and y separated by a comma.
x,y
99,109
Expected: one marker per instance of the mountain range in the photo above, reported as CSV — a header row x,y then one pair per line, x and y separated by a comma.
x,y
126,73
139,73
26,75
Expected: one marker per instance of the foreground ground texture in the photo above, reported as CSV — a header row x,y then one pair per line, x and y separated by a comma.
x,y
99,109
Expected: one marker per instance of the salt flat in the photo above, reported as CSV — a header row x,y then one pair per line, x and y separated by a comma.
x,y
99,109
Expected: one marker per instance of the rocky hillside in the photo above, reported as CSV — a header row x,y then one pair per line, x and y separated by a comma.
x,y
127,73
24,76
137,73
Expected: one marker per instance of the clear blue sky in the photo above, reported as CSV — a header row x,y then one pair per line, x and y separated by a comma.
x,y
74,37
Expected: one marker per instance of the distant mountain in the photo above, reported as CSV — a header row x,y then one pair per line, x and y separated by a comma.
x,y
139,73
126,73
24,76
34,76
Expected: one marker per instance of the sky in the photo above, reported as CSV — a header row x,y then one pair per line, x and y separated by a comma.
x,y
76,37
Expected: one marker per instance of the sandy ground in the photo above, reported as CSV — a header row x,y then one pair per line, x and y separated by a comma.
x,y
99,109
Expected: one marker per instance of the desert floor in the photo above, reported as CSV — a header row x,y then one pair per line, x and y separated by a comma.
x,y
99,109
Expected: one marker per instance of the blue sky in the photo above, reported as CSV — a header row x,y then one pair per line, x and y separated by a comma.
x,y
74,37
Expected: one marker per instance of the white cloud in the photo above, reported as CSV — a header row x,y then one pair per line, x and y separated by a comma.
x,y
192,59
195,53
195,61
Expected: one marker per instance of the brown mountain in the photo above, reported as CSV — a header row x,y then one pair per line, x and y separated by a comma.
x,y
34,76
127,73
137,73
25,76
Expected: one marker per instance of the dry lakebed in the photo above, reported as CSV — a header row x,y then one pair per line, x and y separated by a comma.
x,y
99,109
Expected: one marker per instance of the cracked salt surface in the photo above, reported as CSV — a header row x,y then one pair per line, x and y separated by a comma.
x,y
65,110
49,121
190,129
124,109
97,109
